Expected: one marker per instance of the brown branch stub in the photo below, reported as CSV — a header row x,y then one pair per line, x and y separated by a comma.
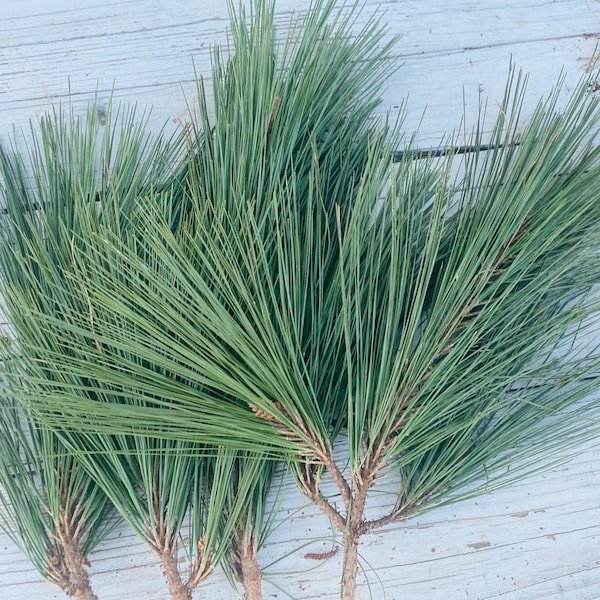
x,y
322,555
400,513
170,568
67,563
309,480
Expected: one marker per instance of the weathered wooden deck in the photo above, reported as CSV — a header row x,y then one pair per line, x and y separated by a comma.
x,y
539,539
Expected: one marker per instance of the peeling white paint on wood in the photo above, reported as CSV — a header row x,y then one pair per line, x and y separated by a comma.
x,y
538,540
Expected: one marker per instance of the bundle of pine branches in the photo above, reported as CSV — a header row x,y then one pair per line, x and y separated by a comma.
x,y
289,287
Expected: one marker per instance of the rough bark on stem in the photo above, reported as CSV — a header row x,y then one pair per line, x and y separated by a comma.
x,y
162,539
351,539
68,566
245,565
178,589
351,536
78,575
61,575
165,549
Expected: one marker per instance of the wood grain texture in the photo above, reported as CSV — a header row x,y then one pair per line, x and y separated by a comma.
x,y
146,53
538,540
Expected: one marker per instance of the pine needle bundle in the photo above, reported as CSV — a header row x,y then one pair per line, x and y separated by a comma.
x,y
200,197
81,172
49,506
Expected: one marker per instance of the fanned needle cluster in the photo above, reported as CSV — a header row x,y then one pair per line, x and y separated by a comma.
x,y
287,289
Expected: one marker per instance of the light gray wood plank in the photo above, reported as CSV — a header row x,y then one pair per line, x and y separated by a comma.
x,y
146,53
